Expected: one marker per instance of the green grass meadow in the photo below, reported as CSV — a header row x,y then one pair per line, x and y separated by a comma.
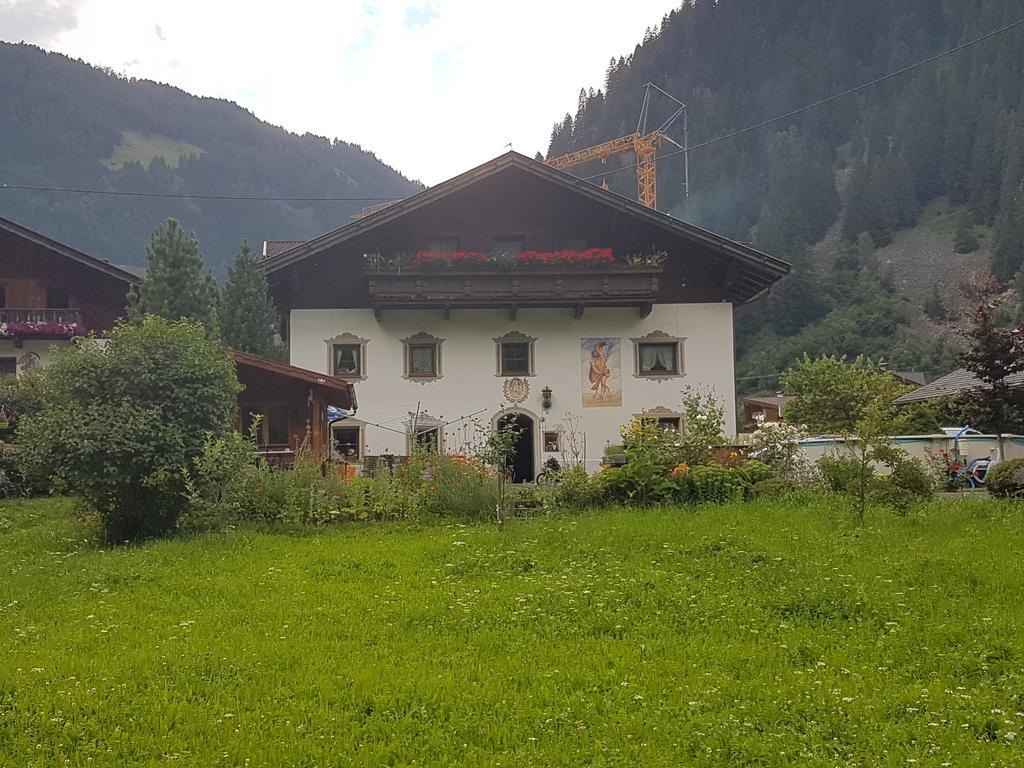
x,y
145,148
767,634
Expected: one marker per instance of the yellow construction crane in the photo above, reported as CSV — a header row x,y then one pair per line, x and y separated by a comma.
x,y
643,144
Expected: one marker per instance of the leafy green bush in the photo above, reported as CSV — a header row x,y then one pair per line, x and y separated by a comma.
x,y
642,481
842,474
118,423
1006,479
576,489
908,480
715,484
773,488
754,471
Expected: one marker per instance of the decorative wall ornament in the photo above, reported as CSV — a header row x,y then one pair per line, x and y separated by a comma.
x,y
28,361
601,369
516,390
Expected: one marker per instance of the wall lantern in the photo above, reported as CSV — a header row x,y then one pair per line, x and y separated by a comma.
x,y
545,398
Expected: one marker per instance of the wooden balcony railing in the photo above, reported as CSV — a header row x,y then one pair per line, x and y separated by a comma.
x,y
34,323
57,316
611,286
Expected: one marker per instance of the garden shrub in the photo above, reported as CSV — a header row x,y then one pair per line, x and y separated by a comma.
x,y
119,422
754,471
773,488
642,481
908,481
841,474
777,444
576,489
1006,479
715,484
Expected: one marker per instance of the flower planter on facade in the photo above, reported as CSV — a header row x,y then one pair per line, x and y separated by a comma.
x,y
40,323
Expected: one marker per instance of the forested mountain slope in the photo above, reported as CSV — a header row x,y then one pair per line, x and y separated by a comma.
x,y
830,188
67,124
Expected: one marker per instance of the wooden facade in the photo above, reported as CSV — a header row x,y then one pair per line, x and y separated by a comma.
x,y
293,405
51,291
515,198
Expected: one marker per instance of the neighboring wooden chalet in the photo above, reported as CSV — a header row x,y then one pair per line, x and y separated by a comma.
x,y
766,407
517,293
50,293
293,405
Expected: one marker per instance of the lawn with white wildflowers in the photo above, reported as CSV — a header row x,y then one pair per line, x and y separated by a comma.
x,y
772,633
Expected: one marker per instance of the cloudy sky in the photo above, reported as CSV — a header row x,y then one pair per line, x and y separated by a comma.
x,y
431,86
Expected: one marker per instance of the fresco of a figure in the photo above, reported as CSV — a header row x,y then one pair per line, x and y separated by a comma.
x,y
601,366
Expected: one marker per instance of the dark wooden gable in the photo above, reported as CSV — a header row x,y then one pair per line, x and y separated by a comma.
x,y
514,197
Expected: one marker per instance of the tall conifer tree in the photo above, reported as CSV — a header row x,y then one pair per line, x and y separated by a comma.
x,y
248,320
175,286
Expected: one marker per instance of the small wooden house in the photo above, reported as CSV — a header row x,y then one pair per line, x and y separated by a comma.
x,y
293,404
51,293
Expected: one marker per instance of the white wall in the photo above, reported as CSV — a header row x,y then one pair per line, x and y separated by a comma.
x,y
40,348
468,364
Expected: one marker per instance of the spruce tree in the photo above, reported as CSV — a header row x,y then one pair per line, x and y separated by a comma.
x,y
175,286
248,320
965,240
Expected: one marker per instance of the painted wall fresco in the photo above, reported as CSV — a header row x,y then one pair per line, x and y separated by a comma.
x,y
601,368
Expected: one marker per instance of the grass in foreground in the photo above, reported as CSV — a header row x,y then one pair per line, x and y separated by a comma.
x,y
766,634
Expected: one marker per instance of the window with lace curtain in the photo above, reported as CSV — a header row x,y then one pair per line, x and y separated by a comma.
x,y
658,355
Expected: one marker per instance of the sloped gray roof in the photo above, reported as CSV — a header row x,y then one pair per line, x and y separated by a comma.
x,y
272,248
953,383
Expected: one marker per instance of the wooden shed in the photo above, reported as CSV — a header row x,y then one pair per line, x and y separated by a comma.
x,y
293,404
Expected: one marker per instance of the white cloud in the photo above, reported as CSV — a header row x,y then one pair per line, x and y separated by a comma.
x,y
37,21
432,86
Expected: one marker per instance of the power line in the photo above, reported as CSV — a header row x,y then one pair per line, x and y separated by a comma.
x,y
824,101
195,197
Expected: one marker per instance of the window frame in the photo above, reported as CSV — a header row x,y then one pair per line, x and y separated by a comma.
x,y
659,338
422,424
419,341
510,338
342,340
545,435
660,414
360,440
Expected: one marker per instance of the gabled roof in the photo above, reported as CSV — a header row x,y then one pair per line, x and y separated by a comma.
x,y
764,270
332,383
954,383
273,248
121,273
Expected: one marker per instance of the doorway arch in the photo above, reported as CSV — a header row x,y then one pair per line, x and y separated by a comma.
x,y
522,463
